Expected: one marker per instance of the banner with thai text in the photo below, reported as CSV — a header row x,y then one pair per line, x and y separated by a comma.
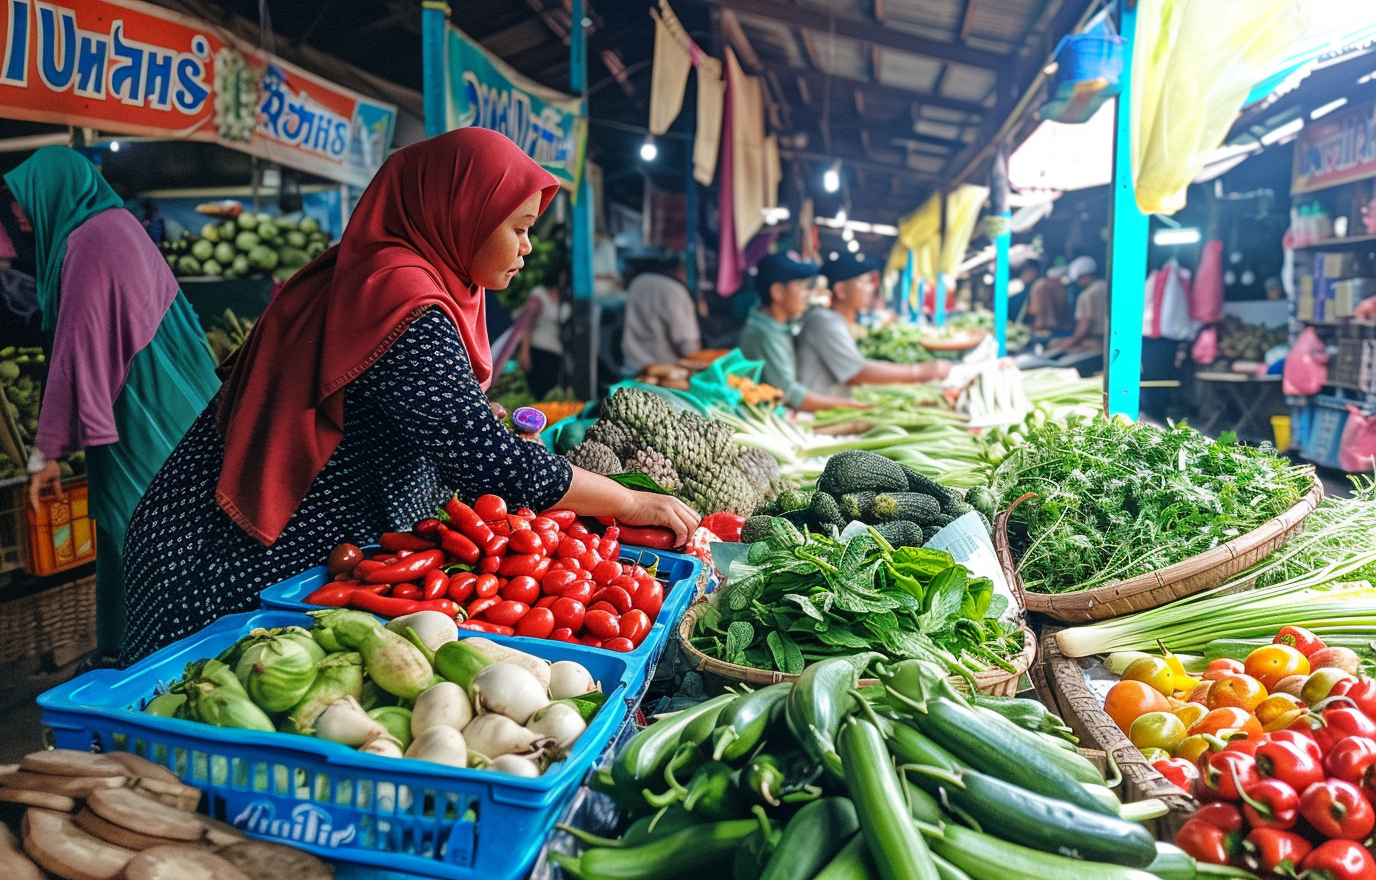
x,y
1335,149
125,67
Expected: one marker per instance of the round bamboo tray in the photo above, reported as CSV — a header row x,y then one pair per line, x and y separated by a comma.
x,y
1062,687
1151,590
992,682
962,341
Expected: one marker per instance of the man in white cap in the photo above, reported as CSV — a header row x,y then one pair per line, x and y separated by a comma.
x,y
1091,309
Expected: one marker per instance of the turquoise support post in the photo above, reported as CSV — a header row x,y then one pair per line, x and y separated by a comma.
x,y
585,311
434,18
939,314
1001,243
903,301
1127,255
921,298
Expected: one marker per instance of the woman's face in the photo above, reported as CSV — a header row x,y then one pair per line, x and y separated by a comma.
x,y
500,257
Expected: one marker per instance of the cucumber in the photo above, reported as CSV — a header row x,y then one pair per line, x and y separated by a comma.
x,y
1071,762
812,838
1172,863
853,862
987,858
741,725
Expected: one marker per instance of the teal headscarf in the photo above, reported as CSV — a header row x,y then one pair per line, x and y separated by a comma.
x,y
59,189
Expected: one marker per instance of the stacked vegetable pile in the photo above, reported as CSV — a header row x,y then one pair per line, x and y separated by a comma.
x,y
795,599
1240,341
1116,499
813,762
21,380
250,244
542,577
899,343
906,508
684,453
411,688
229,332
116,815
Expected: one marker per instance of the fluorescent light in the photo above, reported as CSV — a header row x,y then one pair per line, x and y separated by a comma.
x,y
1169,237
775,215
1278,134
988,279
841,216
881,229
114,146
1366,79
1328,108
831,181
648,151
852,245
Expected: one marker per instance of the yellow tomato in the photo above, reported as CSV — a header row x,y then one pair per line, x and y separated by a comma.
x,y
1240,691
1191,713
1192,748
1274,706
1152,671
1157,730
1271,663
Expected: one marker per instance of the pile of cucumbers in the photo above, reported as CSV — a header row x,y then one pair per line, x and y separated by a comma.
x,y
819,780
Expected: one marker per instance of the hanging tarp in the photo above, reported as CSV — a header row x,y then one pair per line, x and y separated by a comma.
x,y
480,89
920,232
125,67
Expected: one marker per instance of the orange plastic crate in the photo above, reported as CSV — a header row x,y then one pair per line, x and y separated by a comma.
x,y
62,534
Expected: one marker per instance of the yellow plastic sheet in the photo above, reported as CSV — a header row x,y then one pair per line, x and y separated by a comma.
x,y
1193,64
920,232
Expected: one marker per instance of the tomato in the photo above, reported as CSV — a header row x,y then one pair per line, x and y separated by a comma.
x,y
1229,718
563,634
490,507
590,640
1338,809
1200,694
506,612
342,559
543,523
1273,662
1152,671
604,605
522,588
1193,748
485,587
623,645
555,582
1128,700
570,547
580,590
537,623
1157,730
489,564
546,601
615,596
1275,706
649,598
1191,713
578,530
1223,666
1242,691
601,624
635,625
568,613
1300,639
606,572
526,541
627,583
590,560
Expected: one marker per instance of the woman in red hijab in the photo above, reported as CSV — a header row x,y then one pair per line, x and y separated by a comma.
x,y
356,406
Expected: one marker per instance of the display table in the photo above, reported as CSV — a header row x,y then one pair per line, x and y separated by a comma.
x,y
1238,402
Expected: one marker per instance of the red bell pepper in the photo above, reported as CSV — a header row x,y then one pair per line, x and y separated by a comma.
x,y
726,526
413,567
1289,762
1224,772
1179,772
1299,638
1337,723
395,542
1339,860
1208,843
1271,803
1277,852
1349,759
1338,809
467,521
1361,692
1303,738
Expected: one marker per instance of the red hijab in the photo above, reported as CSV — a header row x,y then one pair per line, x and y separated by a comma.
x,y
408,247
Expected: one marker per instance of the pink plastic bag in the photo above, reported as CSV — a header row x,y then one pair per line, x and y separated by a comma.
x,y
1206,294
1358,447
1205,348
1306,367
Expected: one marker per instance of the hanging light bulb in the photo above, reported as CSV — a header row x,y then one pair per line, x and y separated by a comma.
x,y
852,245
847,234
648,150
831,178
114,146
841,216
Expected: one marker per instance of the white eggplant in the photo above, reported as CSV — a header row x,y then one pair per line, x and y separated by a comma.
x,y
536,666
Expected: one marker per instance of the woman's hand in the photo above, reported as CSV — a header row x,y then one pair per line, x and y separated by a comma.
x,y
46,483
665,511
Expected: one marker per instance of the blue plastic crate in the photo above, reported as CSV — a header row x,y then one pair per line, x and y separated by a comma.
x,y
1323,430
412,817
677,572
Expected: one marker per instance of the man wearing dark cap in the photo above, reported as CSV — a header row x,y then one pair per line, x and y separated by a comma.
x,y
783,284
828,360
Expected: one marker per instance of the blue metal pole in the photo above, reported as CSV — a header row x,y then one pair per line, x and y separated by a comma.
x,y
582,208
903,301
434,19
690,223
1001,243
1127,255
939,314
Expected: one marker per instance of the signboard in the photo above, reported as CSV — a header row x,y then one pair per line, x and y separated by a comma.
x,y
126,67
1338,148
482,90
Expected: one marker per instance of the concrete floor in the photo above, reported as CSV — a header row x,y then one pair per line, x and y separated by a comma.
x,y
20,685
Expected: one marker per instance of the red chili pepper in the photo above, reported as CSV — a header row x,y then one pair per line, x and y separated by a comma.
x,y
444,606
461,586
726,526
486,586
1271,803
408,569
605,572
1278,852
1224,772
1338,809
490,507
1300,639
635,626
564,518
542,523
506,612
590,640
467,521
333,595
1349,759
485,627
526,541
384,606
517,564
1205,843
652,537
590,560
396,542
458,545
478,606
489,564
614,596
593,542
549,540
649,598
537,623
526,512
435,585
1289,762
610,549
496,546
1339,860
518,523
501,528
407,591
366,566
427,526
1178,771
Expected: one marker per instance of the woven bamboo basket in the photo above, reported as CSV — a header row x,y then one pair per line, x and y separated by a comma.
x,y
991,682
1061,685
1185,578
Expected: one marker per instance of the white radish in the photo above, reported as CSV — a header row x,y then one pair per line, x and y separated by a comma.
x,y
385,745
345,722
569,679
516,766
497,735
442,704
432,629
561,723
442,745
536,666
506,689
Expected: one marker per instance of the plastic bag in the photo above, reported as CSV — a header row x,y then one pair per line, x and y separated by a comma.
x,y
1193,64
1306,367
1206,293
1205,348
1358,446
1167,305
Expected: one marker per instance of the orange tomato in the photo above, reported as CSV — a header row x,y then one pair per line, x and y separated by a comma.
x,y
1274,706
1228,718
1129,700
1191,713
1200,694
1193,747
1271,663
1226,665
1242,691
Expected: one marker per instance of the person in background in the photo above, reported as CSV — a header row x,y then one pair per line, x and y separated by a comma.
x,y
130,368
1365,310
541,356
1274,288
784,286
20,318
1048,304
829,362
661,324
1091,310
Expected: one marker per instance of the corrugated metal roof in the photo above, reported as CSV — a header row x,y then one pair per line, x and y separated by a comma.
x,y
907,71
967,83
840,56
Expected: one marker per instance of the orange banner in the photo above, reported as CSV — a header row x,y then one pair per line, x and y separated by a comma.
x,y
127,67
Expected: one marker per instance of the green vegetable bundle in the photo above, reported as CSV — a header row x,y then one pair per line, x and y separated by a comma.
x,y
899,343
250,244
1115,499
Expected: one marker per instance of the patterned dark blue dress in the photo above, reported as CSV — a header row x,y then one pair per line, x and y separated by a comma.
x,y
416,427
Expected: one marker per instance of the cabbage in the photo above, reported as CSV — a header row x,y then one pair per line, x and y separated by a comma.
x,y
202,249
224,253
246,241
210,267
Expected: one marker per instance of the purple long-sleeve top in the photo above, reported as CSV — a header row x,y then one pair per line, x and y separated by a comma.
x,y
116,288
